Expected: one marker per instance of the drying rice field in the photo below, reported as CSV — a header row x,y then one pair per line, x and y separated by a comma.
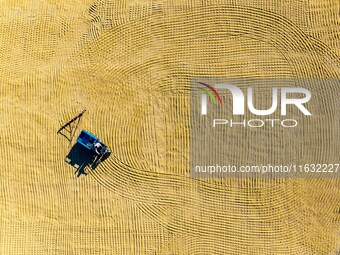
x,y
129,64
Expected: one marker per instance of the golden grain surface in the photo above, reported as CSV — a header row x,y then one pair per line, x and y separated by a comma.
x,y
129,64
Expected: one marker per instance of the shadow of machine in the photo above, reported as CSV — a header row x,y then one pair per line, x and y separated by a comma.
x,y
81,159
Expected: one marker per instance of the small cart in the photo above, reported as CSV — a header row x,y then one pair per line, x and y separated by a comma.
x,y
92,143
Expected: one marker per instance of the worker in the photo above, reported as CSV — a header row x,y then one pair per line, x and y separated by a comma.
x,y
98,148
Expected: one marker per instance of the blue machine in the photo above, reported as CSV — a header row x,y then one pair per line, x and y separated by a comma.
x,y
92,143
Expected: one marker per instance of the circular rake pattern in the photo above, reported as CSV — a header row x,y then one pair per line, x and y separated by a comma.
x,y
134,80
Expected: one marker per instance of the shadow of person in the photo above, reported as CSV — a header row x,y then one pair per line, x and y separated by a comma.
x,y
100,159
81,170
